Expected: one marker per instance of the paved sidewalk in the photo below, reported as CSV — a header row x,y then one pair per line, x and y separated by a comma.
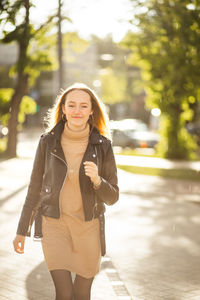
x,y
26,276
154,229
152,238
140,215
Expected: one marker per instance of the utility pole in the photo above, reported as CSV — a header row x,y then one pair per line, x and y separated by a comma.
x,y
60,50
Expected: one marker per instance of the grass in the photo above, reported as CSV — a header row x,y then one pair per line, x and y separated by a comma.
x,y
186,174
136,152
145,152
3,143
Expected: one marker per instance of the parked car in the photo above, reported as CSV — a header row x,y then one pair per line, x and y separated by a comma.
x,y
133,133
194,129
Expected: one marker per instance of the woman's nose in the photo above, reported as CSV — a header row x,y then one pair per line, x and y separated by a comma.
x,y
77,109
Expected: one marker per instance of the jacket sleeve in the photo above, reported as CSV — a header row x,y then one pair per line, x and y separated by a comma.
x,y
108,191
33,194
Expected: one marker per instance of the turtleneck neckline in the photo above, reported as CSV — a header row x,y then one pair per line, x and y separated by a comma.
x,y
75,135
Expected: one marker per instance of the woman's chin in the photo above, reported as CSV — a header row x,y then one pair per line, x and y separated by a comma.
x,y
77,125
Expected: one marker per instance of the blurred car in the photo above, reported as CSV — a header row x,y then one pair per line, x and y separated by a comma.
x,y
194,129
133,133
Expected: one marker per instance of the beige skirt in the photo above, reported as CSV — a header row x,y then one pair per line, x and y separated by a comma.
x,y
72,244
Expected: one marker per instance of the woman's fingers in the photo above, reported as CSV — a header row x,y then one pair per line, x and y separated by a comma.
x,y
18,244
91,169
90,166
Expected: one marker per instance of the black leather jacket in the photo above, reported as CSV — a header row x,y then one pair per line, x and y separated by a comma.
x,y
49,172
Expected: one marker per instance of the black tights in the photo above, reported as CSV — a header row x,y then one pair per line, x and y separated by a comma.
x,y
67,290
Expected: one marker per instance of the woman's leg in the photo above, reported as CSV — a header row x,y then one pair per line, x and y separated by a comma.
x,y
63,284
82,288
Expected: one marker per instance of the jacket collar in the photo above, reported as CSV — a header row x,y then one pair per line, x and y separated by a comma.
x,y
57,130
95,136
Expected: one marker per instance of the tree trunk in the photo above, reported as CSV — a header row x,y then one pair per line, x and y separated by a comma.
x,y
20,91
21,87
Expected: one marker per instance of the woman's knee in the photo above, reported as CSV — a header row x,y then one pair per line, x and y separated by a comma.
x,y
81,295
82,288
64,295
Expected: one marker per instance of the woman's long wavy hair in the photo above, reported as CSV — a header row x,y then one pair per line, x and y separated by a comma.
x,y
99,117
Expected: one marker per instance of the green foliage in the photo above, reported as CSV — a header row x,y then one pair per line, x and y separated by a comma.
x,y
175,141
119,81
111,83
167,49
5,81
3,144
27,106
35,44
5,97
34,56
72,41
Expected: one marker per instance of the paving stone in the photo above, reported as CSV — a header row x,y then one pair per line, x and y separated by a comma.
x,y
152,239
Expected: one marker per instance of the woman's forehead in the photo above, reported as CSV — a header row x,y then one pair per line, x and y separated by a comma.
x,y
78,95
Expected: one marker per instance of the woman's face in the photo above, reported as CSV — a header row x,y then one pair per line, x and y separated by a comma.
x,y
78,108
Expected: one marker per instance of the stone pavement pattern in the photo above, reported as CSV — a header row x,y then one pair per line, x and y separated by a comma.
x,y
152,239
157,222
26,276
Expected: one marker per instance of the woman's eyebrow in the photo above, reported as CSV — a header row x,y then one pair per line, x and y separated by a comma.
x,y
71,101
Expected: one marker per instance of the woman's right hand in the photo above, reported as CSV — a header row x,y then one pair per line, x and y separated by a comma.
x,y
18,243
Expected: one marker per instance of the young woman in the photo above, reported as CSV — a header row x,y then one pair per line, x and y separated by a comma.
x,y
74,174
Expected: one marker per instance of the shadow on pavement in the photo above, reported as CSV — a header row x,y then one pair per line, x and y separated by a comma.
x,y
14,193
170,262
164,242
39,284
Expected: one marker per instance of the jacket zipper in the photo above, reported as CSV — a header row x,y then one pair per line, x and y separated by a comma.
x,y
95,203
63,181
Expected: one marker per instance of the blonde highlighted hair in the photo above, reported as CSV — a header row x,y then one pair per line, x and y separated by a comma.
x,y
99,117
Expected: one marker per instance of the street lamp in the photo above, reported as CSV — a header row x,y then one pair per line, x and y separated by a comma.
x,y
155,112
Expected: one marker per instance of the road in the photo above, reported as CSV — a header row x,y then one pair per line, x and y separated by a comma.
x,y
153,242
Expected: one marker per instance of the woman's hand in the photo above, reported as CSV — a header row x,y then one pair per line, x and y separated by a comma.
x,y
91,170
18,243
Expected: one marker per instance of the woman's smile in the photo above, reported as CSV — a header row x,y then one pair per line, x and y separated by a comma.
x,y
77,108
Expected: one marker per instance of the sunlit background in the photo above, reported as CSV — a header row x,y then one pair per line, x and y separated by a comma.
x,y
91,53
97,17
142,57
122,49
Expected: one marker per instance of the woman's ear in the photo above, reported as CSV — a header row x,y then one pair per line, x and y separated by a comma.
x,y
63,108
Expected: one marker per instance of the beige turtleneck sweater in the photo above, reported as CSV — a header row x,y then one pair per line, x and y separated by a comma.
x,y
70,242
74,145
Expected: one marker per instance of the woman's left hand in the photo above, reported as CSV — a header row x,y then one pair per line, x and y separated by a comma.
x,y
91,170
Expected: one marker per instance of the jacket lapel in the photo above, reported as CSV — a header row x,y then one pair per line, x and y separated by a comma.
x,y
56,134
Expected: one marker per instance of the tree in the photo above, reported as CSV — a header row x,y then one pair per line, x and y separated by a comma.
x,y
33,56
27,106
166,46
119,80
